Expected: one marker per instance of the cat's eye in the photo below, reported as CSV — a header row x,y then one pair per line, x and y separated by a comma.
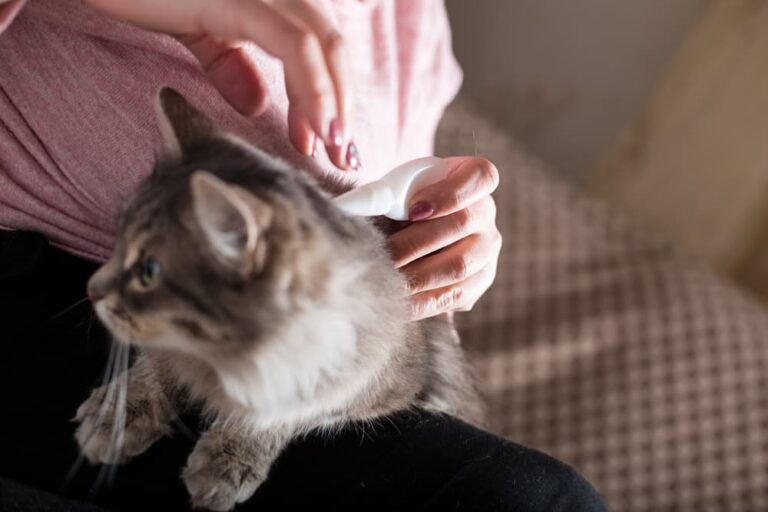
x,y
148,271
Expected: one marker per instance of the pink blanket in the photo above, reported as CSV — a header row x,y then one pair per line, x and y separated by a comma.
x,y
78,132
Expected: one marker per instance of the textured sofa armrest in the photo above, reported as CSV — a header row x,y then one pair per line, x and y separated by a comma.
x,y
600,344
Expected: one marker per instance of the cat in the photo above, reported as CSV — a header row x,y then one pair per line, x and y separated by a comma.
x,y
249,294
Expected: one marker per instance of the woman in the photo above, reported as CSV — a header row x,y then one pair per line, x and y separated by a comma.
x,y
343,87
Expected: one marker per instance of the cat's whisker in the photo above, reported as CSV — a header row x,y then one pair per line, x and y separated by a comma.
x,y
393,424
101,476
73,470
122,413
118,386
110,380
118,425
68,308
362,429
180,425
108,374
372,424
82,321
92,319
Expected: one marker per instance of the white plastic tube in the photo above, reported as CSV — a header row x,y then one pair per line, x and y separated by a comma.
x,y
391,195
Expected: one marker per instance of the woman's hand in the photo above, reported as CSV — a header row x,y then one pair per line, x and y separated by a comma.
x,y
450,250
294,31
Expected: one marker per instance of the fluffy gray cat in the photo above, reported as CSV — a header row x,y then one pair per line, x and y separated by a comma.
x,y
248,293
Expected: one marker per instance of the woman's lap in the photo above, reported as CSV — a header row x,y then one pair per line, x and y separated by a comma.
x,y
50,358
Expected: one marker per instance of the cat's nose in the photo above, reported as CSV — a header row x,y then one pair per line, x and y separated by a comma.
x,y
95,292
99,283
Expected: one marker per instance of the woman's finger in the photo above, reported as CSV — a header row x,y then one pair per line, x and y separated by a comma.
x,y
308,81
332,44
341,150
468,181
422,238
456,297
228,67
300,132
453,264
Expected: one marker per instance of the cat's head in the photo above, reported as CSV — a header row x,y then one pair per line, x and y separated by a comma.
x,y
218,245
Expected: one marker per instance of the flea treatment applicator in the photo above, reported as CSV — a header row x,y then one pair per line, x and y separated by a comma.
x,y
391,195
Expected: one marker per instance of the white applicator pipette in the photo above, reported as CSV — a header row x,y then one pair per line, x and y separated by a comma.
x,y
390,196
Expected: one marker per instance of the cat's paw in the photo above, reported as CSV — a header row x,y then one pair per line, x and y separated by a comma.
x,y
109,435
217,479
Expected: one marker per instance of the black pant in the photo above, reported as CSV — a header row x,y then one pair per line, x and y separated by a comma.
x,y
51,356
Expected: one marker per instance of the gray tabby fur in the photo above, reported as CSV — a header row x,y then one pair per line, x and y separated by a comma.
x,y
272,309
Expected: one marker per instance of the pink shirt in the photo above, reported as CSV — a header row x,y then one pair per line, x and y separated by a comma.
x,y
78,131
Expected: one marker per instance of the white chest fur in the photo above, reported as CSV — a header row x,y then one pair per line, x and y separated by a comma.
x,y
305,373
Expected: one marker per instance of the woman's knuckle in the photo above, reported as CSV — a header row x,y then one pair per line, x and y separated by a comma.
x,y
489,172
460,268
304,44
318,93
456,198
451,297
333,42
463,221
407,249
318,90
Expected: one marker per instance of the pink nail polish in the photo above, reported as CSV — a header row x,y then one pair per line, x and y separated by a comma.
x,y
420,211
334,133
353,157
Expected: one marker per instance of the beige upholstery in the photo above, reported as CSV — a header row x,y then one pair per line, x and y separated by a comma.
x,y
601,346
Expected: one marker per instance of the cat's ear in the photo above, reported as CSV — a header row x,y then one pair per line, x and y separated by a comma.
x,y
182,125
232,220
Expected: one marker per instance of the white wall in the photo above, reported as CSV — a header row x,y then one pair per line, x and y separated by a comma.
x,y
566,75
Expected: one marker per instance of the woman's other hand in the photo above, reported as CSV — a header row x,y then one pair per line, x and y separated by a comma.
x,y
294,31
450,250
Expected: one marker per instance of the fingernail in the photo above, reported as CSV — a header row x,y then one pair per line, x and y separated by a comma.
x,y
420,211
353,157
314,148
334,133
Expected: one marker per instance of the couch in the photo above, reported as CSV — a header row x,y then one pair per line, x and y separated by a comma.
x,y
603,346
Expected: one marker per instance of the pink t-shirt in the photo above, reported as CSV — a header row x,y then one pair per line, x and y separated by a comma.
x,y
78,131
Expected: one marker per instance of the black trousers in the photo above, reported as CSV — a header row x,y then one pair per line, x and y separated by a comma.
x,y
53,354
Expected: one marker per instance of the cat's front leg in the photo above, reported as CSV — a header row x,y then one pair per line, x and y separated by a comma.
x,y
118,423
230,461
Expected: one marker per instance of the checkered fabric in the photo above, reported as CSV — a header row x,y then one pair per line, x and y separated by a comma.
x,y
604,347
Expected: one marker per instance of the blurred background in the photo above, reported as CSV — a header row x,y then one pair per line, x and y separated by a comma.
x,y
627,330
565,77
658,107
